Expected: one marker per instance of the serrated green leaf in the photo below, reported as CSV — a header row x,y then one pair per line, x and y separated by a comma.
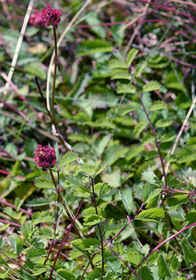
x,y
127,199
163,268
121,74
45,233
117,63
36,253
125,88
113,178
150,177
11,213
85,244
92,219
44,183
139,128
158,105
95,274
177,200
152,213
41,217
151,86
153,194
130,107
68,158
81,192
65,274
163,123
167,138
191,217
189,252
140,67
102,190
158,62
40,269
133,256
91,170
124,121
4,227
131,55
29,231
145,273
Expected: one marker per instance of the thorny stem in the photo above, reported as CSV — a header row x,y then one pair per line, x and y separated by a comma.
x,y
99,228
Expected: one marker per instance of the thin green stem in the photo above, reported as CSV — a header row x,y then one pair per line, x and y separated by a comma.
x,y
99,228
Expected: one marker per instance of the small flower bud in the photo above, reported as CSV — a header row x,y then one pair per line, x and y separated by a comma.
x,y
167,191
50,16
45,157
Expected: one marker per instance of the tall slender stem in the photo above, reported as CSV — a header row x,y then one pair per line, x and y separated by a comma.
x,y
72,219
162,243
55,69
99,228
155,138
65,237
52,118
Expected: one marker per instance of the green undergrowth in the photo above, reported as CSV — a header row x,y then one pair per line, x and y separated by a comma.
x,y
120,201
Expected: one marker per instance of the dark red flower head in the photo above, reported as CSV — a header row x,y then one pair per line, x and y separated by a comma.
x,y
51,16
45,157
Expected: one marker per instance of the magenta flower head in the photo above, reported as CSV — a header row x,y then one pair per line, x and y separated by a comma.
x,y
45,157
51,16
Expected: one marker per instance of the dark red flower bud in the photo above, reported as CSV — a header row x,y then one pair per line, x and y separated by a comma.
x,y
45,157
51,16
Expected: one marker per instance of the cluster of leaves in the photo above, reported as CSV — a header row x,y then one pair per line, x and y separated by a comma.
x,y
127,199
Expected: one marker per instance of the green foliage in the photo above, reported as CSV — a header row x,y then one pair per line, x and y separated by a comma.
x,y
119,202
